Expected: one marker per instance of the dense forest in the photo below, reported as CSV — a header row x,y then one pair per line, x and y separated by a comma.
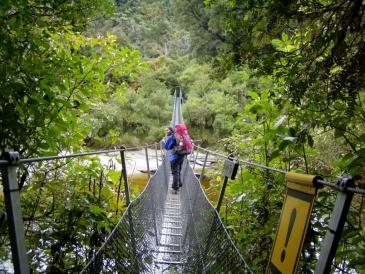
x,y
277,82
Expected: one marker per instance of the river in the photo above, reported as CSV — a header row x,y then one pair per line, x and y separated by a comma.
x,y
137,167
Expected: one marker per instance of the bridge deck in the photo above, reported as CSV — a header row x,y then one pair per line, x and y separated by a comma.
x,y
168,255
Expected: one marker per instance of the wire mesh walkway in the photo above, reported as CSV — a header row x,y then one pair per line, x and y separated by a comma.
x,y
162,232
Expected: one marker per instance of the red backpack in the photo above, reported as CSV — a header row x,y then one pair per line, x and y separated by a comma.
x,y
184,145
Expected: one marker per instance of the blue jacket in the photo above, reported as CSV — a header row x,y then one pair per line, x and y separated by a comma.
x,y
170,145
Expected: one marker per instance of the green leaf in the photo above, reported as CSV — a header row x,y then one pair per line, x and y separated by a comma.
x,y
255,108
276,43
362,138
339,133
97,211
284,144
361,153
310,140
284,37
254,95
274,154
336,69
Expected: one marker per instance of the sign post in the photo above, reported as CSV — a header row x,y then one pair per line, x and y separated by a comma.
x,y
335,227
293,224
204,165
14,213
229,171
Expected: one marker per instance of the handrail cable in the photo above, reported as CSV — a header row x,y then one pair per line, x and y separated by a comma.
x,y
335,186
58,157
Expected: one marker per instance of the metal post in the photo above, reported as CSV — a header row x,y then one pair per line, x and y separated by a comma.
x,y
162,154
156,156
205,163
130,218
14,214
221,195
152,209
124,174
338,219
147,161
196,157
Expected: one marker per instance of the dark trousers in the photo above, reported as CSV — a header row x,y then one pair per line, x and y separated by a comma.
x,y
176,172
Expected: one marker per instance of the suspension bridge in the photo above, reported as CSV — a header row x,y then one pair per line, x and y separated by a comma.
x,y
161,231
164,232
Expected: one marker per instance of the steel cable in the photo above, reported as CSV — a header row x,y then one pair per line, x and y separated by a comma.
x,y
334,186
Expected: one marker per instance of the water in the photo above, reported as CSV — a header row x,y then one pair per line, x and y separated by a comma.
x,y
138,182
137,164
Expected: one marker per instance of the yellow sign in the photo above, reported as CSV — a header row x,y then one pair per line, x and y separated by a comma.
x,y
293,223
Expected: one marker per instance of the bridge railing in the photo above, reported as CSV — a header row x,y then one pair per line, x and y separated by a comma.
x,y
129,247
344,188
10,163
206,243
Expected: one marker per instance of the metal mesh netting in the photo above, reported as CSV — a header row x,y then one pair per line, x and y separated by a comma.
x,y
207,245
166,232
130,246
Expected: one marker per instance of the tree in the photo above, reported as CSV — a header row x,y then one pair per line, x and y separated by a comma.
x,y
52,75
54,79
315,50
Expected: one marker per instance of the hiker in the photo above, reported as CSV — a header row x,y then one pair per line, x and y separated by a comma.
x,y
180,144
175,159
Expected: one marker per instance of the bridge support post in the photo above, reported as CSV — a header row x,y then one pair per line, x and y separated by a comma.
x,y
335,227
14,214
124,175
147,161
203,169
221,195
130,214
156,156
229,171
162,154
196,157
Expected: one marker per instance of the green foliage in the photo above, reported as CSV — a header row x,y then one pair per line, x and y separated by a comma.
x,y
282,82
149,26
69,207
205,28
55,81
138,116
312,50
211,112
54,76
